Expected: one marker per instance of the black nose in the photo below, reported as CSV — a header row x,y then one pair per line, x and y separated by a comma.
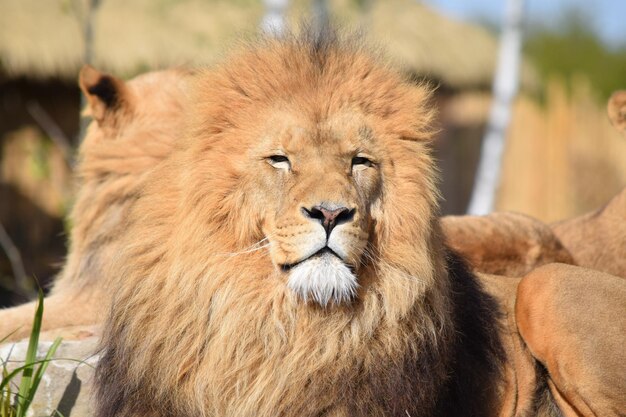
x,y
329,217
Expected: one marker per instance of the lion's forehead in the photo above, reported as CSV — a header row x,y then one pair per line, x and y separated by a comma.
x,y
342,133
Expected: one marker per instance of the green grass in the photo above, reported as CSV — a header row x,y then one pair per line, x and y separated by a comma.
x,y
16,399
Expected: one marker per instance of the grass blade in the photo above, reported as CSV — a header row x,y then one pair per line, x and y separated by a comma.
x,y
31,356
17,371
4,396
31,372
6,409
37,377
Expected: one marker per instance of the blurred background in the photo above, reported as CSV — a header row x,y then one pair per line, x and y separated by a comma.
x,y
562,158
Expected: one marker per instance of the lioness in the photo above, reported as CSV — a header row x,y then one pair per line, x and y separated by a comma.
x,y
133,127
572,320
512,244
504,243
598,239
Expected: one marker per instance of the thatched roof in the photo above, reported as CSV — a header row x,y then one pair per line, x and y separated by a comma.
x,y
44,38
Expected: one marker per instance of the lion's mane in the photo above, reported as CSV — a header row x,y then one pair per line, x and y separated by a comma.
x,y
202,326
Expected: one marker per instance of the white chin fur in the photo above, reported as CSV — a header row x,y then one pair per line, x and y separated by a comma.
x,y
323,279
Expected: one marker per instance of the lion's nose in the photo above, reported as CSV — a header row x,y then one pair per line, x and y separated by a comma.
x,y
329,217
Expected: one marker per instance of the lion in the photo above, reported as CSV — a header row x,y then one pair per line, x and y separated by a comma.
x,y
131,132
572,320
141,128
513,245
504,243
109,125
286,259
597,240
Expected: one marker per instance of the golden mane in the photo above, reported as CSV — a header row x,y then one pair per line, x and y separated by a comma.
x,y
204,325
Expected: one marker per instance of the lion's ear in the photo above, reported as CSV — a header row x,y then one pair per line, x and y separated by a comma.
x,y
106,95
617,110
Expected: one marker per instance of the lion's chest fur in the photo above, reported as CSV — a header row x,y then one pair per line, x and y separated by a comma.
x,y
325,374
245,350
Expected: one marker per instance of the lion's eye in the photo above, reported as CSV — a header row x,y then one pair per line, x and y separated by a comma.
x,y
279,162
360,162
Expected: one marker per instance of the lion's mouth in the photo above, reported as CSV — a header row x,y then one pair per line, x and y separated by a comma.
x,y
325,250
324,278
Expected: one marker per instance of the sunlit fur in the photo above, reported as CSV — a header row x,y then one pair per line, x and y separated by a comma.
x,y
597,240
204,322
504,243
134,135
115,158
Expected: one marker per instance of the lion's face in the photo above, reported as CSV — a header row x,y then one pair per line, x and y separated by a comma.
x,y
310,172
320,182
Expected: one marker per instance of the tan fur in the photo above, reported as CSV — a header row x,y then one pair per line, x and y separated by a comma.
x,y
573,322
597,240
125,141
508,244
521,377
204,324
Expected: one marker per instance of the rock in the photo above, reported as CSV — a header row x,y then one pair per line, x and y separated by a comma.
x,y
66,384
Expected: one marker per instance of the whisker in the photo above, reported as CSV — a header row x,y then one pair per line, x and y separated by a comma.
x,y
252,248
368,255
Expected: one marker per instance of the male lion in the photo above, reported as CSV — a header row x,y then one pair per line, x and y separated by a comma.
x,y
286,259
145,116
132,131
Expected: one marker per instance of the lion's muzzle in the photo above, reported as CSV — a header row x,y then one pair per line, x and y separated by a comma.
x,y
321,253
